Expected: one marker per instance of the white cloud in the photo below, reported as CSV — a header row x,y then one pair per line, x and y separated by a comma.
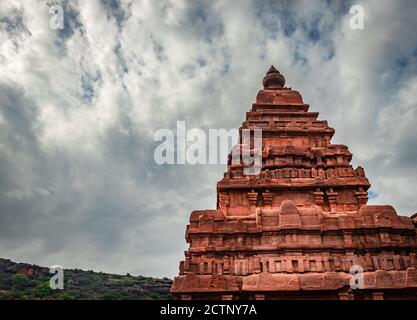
x,y
79,107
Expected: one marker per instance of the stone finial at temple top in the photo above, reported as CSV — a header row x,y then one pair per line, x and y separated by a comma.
x,y
273,79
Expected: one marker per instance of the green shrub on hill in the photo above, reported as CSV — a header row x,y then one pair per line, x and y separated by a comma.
x,y
23,281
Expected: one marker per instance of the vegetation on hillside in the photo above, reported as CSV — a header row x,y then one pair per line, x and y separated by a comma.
x,y
24,281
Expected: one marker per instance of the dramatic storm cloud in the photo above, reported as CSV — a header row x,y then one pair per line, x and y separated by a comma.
x,y
79,107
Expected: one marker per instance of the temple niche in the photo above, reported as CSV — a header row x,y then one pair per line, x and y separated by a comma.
x,y
296,229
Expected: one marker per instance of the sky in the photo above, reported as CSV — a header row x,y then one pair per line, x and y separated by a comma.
x,y
79,106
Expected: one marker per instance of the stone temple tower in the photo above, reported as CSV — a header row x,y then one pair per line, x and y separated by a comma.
x,y
301,228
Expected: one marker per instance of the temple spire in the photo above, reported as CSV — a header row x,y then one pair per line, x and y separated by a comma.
x,y
299,224
273,79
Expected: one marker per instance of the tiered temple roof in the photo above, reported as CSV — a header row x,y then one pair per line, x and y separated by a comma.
x,y
296,229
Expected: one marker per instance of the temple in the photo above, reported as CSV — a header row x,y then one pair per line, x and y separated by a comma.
x,y
301,228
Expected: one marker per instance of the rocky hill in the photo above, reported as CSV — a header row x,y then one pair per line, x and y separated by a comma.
x,y
25,281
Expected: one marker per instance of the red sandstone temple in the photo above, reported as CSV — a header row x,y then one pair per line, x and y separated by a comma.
x,y
295,230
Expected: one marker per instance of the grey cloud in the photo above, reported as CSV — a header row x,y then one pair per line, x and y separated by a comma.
x,y
72,21
116,10
78,183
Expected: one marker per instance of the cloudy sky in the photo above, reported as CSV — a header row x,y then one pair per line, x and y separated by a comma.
x,y
79,107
